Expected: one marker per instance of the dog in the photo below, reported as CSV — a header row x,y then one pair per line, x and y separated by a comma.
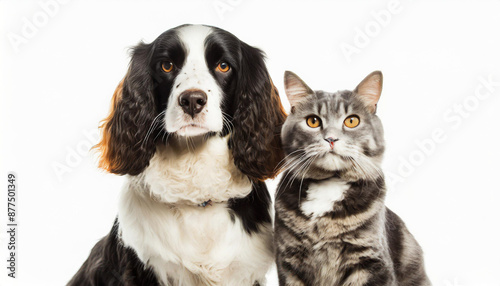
x,y
194,125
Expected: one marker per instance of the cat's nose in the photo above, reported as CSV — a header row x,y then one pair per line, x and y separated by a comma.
x,y
331,141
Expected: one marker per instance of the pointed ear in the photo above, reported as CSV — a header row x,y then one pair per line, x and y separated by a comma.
x,y
370,89
296,89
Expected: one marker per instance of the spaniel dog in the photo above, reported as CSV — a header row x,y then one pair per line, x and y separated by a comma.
x,y
194,126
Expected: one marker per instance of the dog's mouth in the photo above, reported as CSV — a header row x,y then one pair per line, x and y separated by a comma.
x,y
192,129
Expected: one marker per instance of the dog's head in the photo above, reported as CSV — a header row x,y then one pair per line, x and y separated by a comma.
x,y
194,81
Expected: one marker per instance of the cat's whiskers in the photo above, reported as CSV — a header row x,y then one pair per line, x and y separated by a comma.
x,y
360,169
282,164
364,166
297,164
307,162
290,163
376,171
303,175
293,163
302,170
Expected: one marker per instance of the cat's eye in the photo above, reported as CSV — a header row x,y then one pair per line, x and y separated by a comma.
x,y
223,67
167,66
313,121
352,121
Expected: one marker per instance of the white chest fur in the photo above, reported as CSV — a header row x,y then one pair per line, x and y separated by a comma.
x,y
193,177
322,195
184,243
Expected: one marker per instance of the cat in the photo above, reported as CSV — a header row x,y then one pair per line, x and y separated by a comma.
x,y
331,224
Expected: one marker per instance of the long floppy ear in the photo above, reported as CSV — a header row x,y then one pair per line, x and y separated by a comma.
x,y
259,115
122,149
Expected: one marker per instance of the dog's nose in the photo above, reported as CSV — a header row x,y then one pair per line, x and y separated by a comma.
x,y
192,101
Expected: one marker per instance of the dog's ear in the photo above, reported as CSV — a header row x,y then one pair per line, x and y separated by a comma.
x,y
259,116
122,147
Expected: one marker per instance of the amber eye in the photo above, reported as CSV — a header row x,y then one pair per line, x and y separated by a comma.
x,y
167,66
351,121
313,121
223,67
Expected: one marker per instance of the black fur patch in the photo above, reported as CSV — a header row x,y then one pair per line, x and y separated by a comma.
x,y
253,210
112,264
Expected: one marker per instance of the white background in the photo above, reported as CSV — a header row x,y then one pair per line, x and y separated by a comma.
x,y
56,85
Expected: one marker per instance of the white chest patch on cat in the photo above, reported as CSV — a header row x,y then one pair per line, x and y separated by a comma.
x,y
322,195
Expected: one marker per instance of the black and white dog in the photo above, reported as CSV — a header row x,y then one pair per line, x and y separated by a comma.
x,y
195,127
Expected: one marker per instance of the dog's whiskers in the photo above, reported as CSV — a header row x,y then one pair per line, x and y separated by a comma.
x,y
152,127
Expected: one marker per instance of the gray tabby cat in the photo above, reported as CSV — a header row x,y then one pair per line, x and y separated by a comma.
x,y
332,227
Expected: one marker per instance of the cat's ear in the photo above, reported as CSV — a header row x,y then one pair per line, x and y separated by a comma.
x,y
370,89
296,89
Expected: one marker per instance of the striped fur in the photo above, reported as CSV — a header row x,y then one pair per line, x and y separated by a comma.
x,y
331,224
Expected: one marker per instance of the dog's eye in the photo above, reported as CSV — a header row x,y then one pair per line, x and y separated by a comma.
x,y
167,66
352,121
313,121
223,67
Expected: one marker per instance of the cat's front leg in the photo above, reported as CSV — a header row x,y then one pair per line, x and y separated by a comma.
x,y
369,272
289,275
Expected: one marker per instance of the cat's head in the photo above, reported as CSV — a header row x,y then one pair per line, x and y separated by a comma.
x,y
329,134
